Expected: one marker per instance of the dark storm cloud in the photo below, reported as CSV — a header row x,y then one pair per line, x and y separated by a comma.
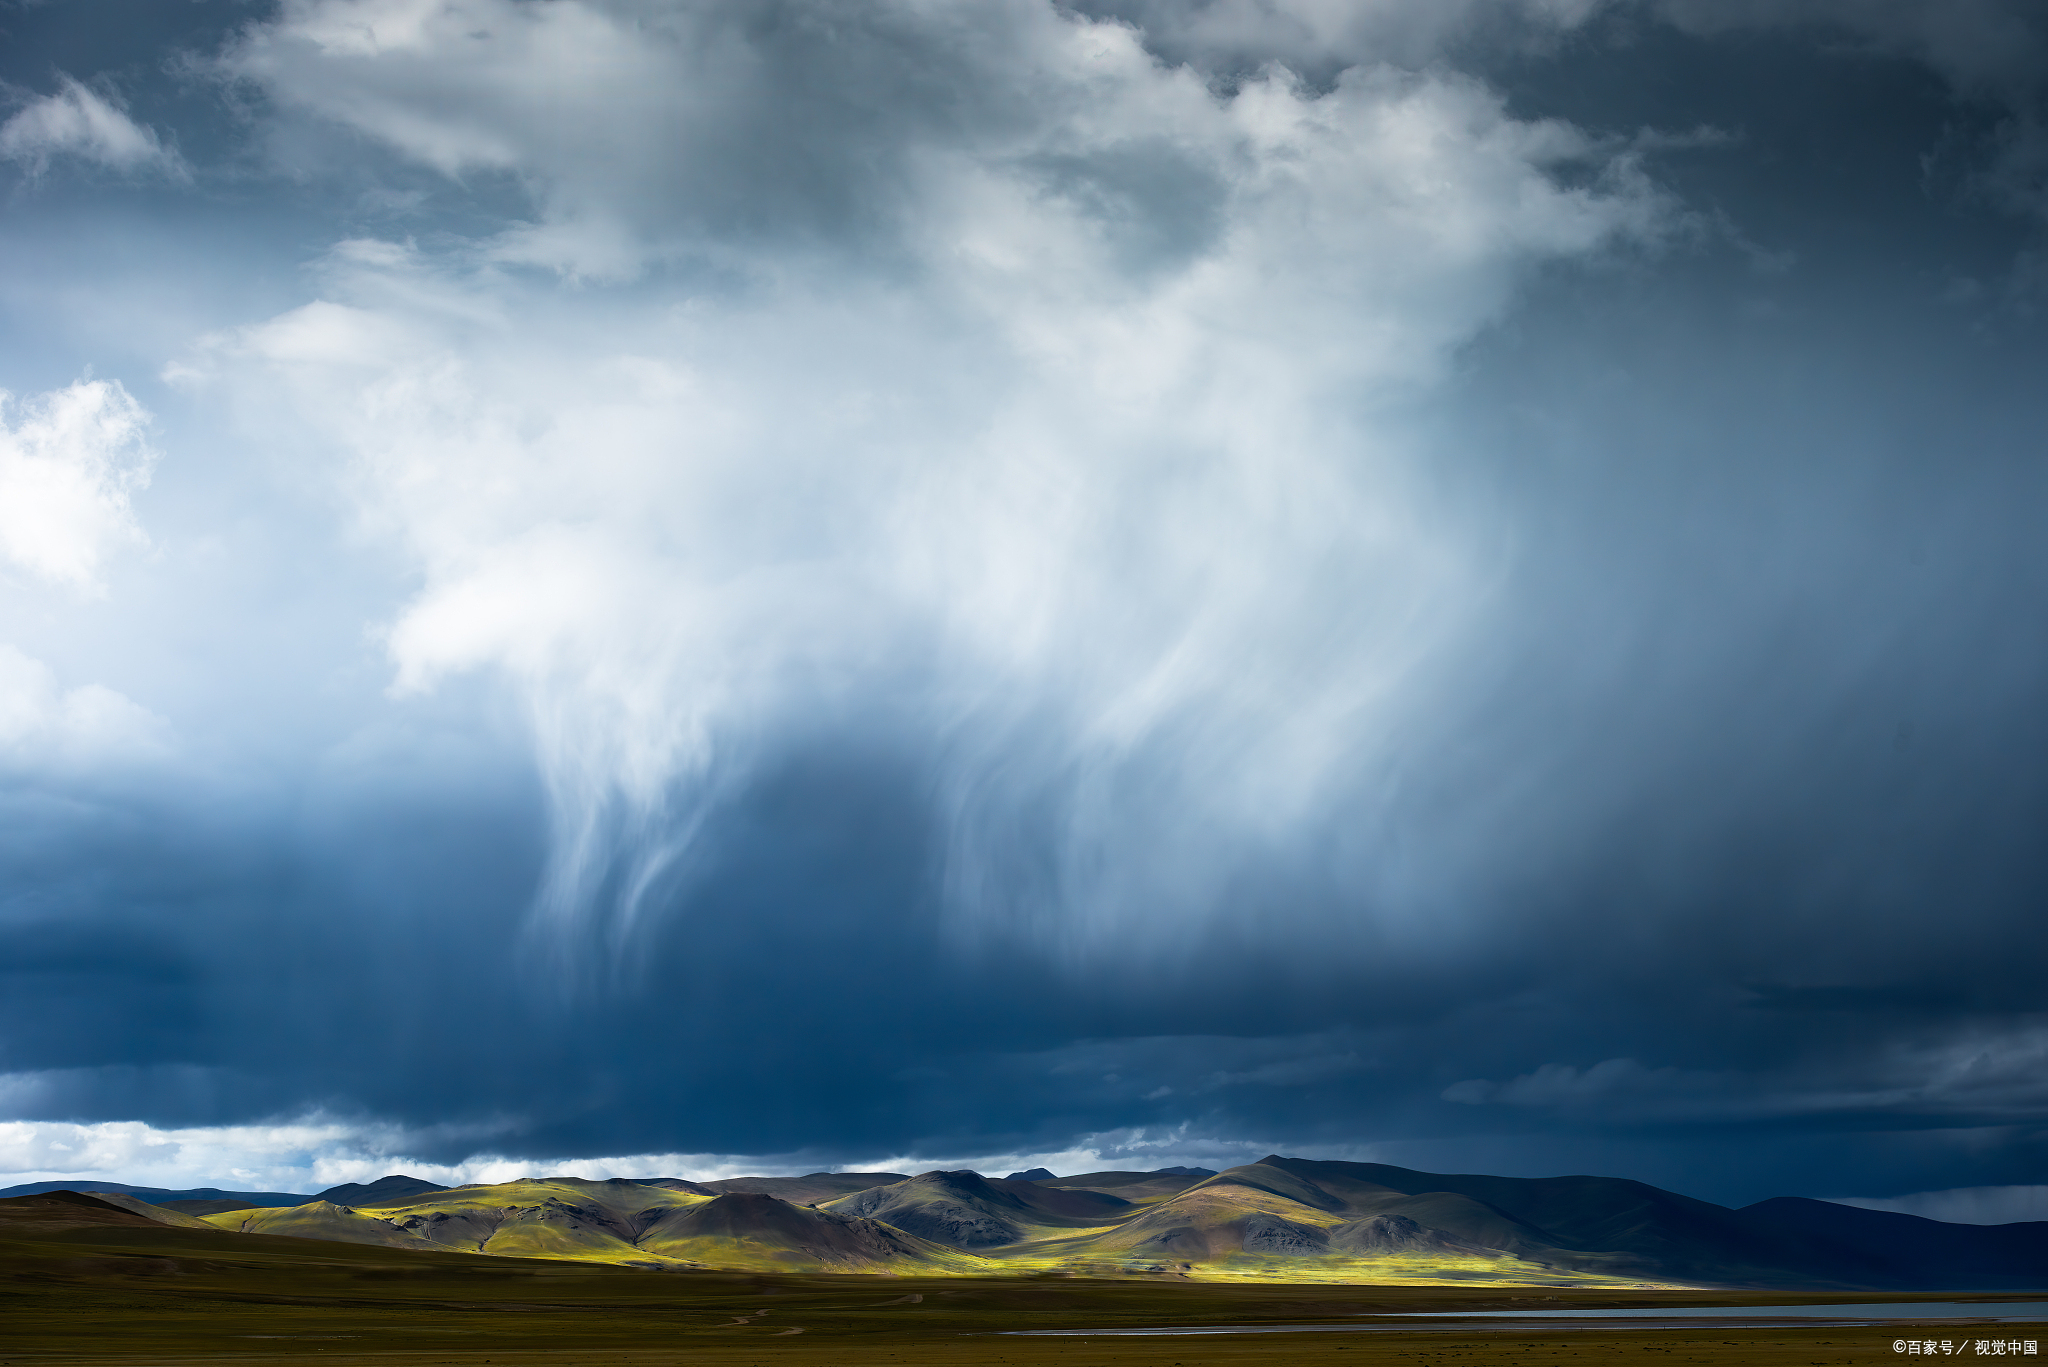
x,y
1695,839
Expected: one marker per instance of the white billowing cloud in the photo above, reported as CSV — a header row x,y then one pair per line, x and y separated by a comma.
x,y
69,466
307,1154
1038,406
82,122
640,127
314,1152
40,720
140,1154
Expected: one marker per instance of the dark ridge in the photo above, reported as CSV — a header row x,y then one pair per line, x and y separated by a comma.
x,y
157,1196
1033,1175
809,1189
1907,1250
1132,1186
1628,1228
395,1187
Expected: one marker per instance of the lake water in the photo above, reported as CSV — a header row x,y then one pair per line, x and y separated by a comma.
x,y
1869,1310
1643,1317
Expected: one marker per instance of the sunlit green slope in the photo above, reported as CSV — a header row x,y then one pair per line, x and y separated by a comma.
x,y
1278,1219
657,1224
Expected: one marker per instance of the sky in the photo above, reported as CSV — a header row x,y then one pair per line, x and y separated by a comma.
x,y
690,588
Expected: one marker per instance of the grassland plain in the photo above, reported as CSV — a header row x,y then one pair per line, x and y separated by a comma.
x,y
80,1286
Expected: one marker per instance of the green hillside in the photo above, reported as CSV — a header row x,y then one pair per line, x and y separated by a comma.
x,y
87,1282
551,1218
755,1230
665,1224
319,1220
1263,1221
1280,1219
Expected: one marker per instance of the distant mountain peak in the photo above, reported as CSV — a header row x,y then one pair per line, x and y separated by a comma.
x,y
1033,1175
392,1187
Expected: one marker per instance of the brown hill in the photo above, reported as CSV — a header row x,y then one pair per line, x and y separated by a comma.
x,y
80,1208
160,1214
54,1210
754,1227
969,1211
197,1208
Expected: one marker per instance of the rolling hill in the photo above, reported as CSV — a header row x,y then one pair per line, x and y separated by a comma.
x,y
970,1211
667,1223
1280,1219
810,1189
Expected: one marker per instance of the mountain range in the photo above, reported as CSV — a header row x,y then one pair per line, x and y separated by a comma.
x,y
1285,1219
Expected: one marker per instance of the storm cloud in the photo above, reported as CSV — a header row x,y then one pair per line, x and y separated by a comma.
x,y
691,588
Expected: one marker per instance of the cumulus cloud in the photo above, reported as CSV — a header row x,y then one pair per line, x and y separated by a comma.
x,y
92,125
1042,412
857,124
70,464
